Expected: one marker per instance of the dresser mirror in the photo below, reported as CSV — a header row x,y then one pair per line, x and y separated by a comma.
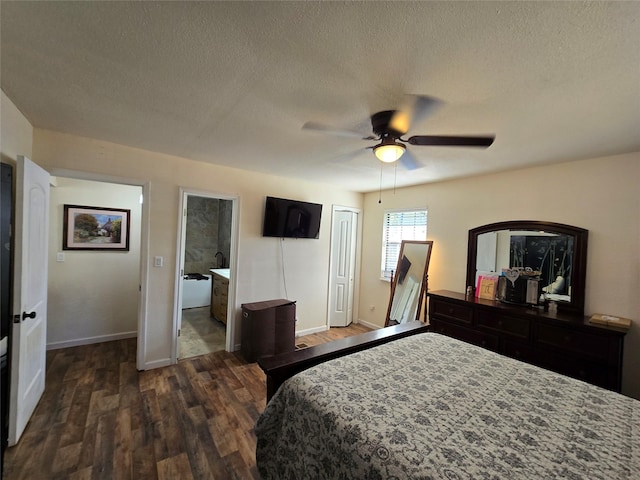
x,y
556,251
409,282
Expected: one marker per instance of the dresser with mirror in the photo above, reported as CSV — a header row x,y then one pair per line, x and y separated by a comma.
x,y
559,338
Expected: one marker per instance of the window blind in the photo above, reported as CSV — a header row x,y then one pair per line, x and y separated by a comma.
x,y
400,225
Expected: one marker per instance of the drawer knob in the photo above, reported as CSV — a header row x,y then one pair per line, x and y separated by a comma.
x,y
450,311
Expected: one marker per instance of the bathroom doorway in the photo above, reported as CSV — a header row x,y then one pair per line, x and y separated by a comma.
x,y
206,253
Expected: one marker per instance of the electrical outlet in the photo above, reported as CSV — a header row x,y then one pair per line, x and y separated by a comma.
x,y
60,257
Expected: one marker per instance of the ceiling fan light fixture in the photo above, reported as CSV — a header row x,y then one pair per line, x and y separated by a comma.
x,y
389,152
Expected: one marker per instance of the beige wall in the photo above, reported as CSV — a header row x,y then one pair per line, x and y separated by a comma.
x,y
16,133
93,295
600,194
259,260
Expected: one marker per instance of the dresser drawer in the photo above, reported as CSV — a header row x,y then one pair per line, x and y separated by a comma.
x,y
468,335
583,343
522,351
561,362
561,342
517,327
451,311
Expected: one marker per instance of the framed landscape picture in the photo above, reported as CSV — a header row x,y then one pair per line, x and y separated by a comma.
x,y
95,228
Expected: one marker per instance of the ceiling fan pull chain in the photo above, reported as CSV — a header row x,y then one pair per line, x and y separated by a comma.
x,y
395,176
380,190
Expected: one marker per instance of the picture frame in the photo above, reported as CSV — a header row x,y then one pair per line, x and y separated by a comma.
x,y
95,228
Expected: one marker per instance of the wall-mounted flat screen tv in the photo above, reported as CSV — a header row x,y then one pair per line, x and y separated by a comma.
x,y
291,218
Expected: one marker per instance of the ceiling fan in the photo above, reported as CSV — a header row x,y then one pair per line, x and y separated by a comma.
x,y
389,126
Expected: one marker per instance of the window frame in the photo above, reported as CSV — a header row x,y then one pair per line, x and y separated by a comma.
x,y
385,274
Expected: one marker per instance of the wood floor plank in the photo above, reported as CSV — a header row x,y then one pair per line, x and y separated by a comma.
x,y
103,467
144,463
84,474
222,435
88,446
122,452
153,426
66,458
217,467
175,467
198,462
100,418
170,424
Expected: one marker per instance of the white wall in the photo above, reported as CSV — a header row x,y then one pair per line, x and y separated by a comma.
x,y
259,260
93,295
601,195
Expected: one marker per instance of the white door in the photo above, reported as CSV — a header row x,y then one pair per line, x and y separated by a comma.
x,y
28,345
343,244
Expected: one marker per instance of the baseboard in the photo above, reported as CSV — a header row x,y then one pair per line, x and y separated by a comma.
x,y
369,325
89,340
309,331
163,362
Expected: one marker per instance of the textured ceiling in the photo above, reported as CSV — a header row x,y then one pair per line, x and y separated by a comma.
x,y
232,83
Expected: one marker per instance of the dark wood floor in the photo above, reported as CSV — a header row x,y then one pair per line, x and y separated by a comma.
x,y
101,419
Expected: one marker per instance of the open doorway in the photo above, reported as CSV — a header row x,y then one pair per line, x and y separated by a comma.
x,y
206,250
94,292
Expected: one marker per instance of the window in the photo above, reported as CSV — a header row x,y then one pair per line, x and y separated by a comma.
x,y
400,225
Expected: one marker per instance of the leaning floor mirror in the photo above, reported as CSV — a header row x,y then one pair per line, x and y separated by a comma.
x,y
409,282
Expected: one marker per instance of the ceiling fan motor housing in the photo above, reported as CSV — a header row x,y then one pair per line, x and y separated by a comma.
x,y
380,122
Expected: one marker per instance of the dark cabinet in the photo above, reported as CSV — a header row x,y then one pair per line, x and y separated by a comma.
x,y
268,328
564,343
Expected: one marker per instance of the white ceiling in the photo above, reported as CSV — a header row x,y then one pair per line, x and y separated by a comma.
x,y
232,83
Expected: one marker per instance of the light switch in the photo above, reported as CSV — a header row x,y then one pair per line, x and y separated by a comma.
x,y
60,257
158,261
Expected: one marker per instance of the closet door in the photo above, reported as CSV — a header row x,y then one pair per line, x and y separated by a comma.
x,y
343,246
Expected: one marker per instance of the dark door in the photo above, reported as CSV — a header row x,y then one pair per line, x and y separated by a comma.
x,y
6,208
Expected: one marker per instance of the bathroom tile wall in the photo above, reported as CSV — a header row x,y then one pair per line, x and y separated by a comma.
x,y
208,232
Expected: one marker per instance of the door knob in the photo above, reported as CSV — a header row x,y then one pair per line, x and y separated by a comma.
x,y
26,315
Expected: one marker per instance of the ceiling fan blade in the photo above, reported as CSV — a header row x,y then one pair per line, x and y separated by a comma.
x,y
413,109
319,127
409,162
450,141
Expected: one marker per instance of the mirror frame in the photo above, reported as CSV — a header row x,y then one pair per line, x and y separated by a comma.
x,y
579,262
425,276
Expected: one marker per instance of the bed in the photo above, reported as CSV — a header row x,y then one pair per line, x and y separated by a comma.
x,y
431,407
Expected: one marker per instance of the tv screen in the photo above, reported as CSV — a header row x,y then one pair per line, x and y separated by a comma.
x,y
291,218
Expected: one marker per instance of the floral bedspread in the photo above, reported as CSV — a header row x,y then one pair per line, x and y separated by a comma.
x,y
431,407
